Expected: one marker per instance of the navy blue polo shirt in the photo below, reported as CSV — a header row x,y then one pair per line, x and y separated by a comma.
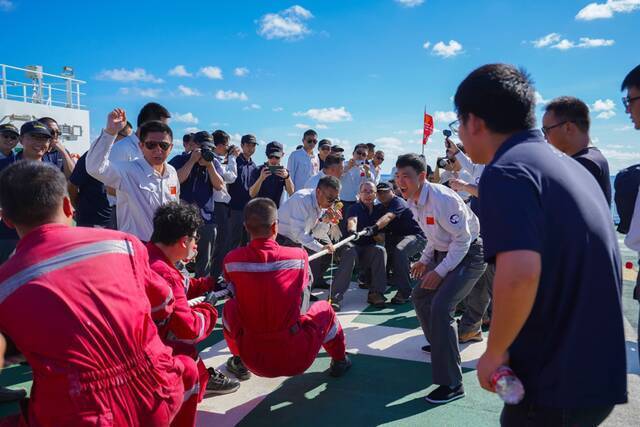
x,y
592,159
239,190
271,187
92,205
404,224
54,157
197,188
570,352
365,219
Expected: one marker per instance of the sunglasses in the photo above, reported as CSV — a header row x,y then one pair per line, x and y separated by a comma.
x,y
10,136
325,148
311,141
361,153
380,158
151,145
454,126
195,237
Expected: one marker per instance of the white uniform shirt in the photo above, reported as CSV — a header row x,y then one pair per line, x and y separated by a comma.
x,y
139,188
350,182
301,167
299,220
463,175
228,173
448,224
125,150
473,169
312,182
632,240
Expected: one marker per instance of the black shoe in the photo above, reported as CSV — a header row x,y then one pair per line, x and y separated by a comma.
x,y
336,305
444,394
9,395
399,299
314,298
376,299
237,368
219,383
322,285
339,367
363,285
426,348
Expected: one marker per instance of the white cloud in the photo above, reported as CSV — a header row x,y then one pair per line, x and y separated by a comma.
x,y
124,75
241,71
191,129
278,109
445,116
302,126
185,118
409,3
606,10
564,45
445,50
327,115
540,99
252,107
603,105
211,72
606,115
623,129
229,95
321,126
288,24
547,40
6,5
187,91
586,42
426,45
144,93
179,71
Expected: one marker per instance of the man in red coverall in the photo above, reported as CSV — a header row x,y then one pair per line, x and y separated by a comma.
x,y
174,239
78,303
267,323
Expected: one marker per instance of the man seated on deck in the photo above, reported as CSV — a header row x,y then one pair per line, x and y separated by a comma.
x,y
89,337
267,323
174,239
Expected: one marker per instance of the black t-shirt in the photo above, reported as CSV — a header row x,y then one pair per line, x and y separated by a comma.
x,y
365,219
592,159
404,223
570,352
93,205
271,187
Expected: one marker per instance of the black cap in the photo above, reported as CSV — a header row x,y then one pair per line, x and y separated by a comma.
x,y
203,138
9,128
35,127
248,139
324,142
337,149
384,186
274,148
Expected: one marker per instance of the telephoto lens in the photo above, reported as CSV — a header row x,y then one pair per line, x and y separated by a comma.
x,y
207,155
447,133
442,162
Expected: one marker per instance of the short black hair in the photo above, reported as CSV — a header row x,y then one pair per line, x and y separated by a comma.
x,y
47,120
371,146
154,126
152,112
500,94
173,221
571,109
332,160
632,79
309,132
187,137
31,192
220,137
329,182
128,125
413,161
259,215
360,146
298,147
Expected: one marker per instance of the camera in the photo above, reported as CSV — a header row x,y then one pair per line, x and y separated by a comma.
x,y
274,169
442,162
207,154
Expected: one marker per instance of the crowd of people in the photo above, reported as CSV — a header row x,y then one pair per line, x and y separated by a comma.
x,y
125,253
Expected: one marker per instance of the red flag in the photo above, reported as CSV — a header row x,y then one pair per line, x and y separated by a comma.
x,y
428,128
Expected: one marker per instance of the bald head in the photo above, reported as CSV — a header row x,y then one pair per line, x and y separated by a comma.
x,y
260,218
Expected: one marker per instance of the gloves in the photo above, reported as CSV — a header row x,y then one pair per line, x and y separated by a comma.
x,y
210,298
370,231
354,234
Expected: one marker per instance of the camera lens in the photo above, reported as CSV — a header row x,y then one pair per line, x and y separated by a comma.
x,y
207,155
442,163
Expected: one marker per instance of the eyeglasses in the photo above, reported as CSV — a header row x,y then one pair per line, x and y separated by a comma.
x,y
311,141
627,101
151,145
380,158
325,148
455,126
545,130
361,153
331,200
195,237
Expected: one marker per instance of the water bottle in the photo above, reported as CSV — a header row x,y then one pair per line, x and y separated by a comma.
x,y
507,385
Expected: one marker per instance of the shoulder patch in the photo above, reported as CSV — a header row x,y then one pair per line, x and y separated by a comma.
x,y
454,219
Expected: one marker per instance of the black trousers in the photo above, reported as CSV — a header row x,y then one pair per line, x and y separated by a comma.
x,y
527,415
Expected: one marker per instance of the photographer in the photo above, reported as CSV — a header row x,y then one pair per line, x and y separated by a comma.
x,y
452,170
356,171
324,149
198,178
239,190
270,179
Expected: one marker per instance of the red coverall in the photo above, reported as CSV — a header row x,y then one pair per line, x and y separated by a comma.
x,y
263,323
186,326
75,302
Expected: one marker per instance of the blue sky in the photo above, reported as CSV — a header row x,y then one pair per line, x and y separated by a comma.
x,y
356,71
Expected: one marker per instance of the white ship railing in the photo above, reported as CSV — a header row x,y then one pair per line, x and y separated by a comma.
x,y
59,91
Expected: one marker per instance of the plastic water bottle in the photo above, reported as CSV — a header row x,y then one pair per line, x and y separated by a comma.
x,y
507,385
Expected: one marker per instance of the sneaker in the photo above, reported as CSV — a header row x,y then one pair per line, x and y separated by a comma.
x,y
9,395
376,299
471,336
399,299
237,368
363,285
426,348
336,305
339,367
219,383
444,394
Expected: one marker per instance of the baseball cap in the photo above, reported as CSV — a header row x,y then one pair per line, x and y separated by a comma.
x,y
8,127
248,139
35,127
384,186
324,142
337,149
203,138
274,148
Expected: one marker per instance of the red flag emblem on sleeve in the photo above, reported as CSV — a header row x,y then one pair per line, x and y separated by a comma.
x,y
428,128
173,190
430,220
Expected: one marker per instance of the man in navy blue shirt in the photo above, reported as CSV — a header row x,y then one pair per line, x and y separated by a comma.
x,y
271,185
239,191
198,178
548,228
566,126
92,205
